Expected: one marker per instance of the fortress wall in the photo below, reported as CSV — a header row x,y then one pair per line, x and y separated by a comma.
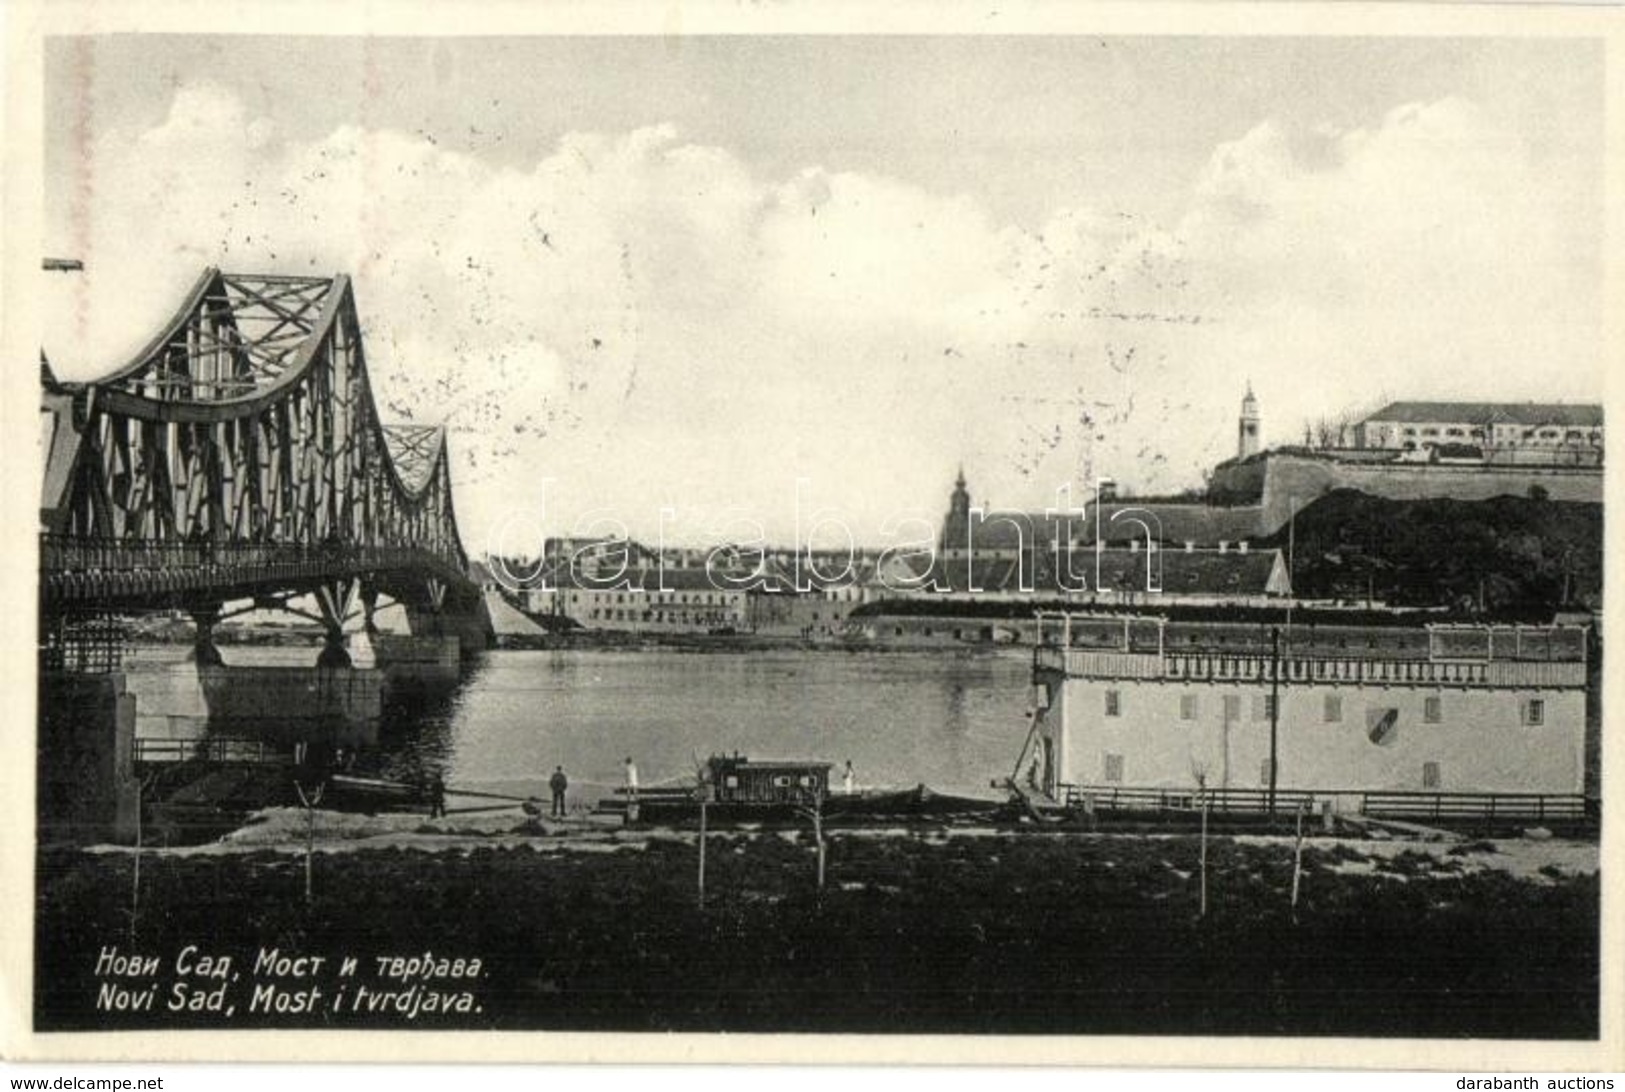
x,y
1290,482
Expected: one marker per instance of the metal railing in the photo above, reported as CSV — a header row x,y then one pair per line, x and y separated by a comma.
x,y
1437,806
1463,805
224,750
1247,667
91,569
1241,801
83,645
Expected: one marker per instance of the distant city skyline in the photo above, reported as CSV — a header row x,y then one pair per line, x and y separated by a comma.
x,y
686,274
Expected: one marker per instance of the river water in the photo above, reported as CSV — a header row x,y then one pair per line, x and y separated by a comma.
x,y
950,719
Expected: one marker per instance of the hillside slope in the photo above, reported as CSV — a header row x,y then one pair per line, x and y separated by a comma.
x,y
1516,553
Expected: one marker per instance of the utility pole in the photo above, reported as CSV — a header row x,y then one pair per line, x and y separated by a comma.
x,y
309,801
705,804
1291,571
816,814
1275,710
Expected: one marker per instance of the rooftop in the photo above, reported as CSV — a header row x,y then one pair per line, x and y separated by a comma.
x,y
1117,521
1522,413
1182,572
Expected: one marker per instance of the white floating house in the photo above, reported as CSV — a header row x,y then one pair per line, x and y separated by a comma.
x,y
1129,701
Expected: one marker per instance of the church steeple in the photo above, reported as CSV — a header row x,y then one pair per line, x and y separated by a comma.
x,y
957,524
1247,431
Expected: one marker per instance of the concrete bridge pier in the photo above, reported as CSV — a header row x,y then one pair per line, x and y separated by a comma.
x,y
288,705
472,629
334,653
335,599
418,661
86,758
369,608
204,652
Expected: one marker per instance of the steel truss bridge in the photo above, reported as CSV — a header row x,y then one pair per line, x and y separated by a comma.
x,y
240,459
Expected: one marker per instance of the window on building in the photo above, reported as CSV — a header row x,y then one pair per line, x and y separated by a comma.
x,y
1114,703
1263,706
1430,775
1534,711
1114,768
1264,772
1232,707
1187,707
1432,710
1333,713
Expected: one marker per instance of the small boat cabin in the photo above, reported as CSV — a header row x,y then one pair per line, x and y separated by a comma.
x,y
735,779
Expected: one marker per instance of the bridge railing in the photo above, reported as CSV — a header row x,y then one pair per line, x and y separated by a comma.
x,y
89,569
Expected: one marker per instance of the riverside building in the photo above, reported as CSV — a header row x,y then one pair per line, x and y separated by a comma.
x,y
1136,701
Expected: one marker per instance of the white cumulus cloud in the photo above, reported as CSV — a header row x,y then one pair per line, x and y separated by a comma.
x,y
647,320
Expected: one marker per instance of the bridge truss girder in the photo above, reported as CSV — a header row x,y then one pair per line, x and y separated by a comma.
x,y
242,448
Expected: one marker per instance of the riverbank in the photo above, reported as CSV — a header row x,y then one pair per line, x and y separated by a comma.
x,y
589,926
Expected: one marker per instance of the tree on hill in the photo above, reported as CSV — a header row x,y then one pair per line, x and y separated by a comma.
x,y
1506,554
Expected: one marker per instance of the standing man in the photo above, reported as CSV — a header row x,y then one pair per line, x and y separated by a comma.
x,y
849,780
558,783
437,797
631,789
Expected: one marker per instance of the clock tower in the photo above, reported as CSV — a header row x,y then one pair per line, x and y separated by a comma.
x,y
1247,427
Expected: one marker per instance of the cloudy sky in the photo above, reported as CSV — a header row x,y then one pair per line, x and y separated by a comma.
x,y
687,272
